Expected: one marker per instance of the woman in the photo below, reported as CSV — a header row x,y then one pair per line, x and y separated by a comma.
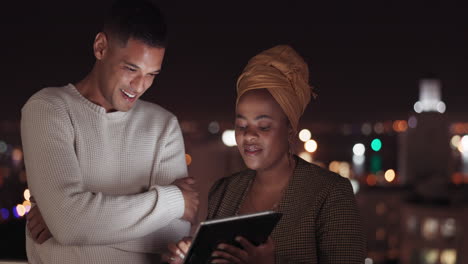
x,y
321,222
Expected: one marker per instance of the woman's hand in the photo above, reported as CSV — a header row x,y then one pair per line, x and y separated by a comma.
x,y
177,252
262,254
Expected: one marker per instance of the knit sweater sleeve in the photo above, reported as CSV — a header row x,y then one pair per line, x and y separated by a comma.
x,y
74,215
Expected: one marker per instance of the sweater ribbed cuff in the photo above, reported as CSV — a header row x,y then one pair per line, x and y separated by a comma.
x,y
172,197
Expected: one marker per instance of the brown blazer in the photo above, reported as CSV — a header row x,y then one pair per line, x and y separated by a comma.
x,y
320,224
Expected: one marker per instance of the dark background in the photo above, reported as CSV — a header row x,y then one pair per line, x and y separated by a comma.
x,y
366,58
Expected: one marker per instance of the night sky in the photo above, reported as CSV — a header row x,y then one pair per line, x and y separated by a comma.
x,y
365,58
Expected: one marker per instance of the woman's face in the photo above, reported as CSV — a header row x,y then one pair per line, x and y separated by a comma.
x,y
262,131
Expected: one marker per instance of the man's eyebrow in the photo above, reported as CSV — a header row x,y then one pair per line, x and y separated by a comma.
x,y
131,64
136,66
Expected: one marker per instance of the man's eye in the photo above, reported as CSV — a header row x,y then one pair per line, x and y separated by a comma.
x,y
130,69
264,128
240,127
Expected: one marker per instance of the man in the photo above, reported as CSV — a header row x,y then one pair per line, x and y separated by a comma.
x,y
100,162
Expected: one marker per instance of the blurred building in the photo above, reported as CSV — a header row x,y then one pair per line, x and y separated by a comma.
x,y
422,218
410,176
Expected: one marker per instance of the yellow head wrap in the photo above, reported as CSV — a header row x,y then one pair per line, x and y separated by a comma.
x,y
285,74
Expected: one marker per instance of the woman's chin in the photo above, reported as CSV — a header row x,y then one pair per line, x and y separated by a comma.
x,y
249,163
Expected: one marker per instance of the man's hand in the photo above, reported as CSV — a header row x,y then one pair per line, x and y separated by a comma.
x,y
190,198
37,226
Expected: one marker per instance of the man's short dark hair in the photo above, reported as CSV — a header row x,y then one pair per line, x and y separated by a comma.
x,y
136,19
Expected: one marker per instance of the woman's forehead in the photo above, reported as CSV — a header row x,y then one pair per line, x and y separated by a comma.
x,y
258,103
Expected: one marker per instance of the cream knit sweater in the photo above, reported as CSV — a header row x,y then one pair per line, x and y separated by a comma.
x,y
101,180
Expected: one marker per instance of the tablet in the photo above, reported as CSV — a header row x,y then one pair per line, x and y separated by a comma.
x,y
254,227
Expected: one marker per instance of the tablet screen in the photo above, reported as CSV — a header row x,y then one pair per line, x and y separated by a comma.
x,y
254,227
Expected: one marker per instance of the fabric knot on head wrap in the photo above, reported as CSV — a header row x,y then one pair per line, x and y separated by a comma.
x,y
285,74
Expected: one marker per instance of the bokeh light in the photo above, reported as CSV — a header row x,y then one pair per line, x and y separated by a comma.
x,y
366,129
390,175
371,180
412,122
375,163
441,107
306,156
27,194
418,107
188,159
400,125
376,144
305,135
27,206
359,160
229,138
359,149
4,213
355,185
20,210
344,169
463,146
17,154
334,166
455,141
213,127
3,147
310,146
379,128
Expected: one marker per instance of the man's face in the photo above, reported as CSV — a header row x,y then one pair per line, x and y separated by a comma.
x,y
127,71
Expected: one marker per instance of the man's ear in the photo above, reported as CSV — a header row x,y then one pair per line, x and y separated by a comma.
x,y
101,45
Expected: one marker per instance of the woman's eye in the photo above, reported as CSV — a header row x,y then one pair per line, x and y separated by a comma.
x,y
240,127
264,128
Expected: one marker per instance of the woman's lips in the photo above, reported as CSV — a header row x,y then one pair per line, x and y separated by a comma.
x,y
252,149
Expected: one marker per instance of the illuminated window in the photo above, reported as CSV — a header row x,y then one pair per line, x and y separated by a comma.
x,y
448,228
380,209
429,256
448,256
430,227
393,241
380,234
412,224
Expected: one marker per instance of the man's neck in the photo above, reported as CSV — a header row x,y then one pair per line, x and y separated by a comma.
x,y
89,88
